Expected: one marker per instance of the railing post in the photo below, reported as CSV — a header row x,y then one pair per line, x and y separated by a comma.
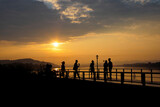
x,y
105,79
98,74
94,76
83,75
60,75
131,76
122,78
151,76
67,74
143,79
116,74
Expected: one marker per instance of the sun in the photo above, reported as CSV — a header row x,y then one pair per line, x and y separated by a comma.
x,y
55,44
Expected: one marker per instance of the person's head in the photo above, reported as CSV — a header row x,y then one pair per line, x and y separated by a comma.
x,y
109,59
63,62
76,61
105,61
92,61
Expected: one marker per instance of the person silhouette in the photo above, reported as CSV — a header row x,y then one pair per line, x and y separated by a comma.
x,y
105,67
76,66
48,71
110,64
63,68
92,70
48,68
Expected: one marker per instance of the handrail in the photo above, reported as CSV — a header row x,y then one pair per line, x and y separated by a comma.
x,y
123,75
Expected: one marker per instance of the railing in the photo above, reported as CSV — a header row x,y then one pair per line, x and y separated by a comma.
x,y
150,78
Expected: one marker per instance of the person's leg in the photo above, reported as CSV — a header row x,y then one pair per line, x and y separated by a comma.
x,y
63,74
107,72
91,74
106,76
75,73
110,74
78,75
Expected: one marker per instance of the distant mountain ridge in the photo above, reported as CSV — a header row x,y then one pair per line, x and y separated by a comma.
x,y
25,61
147,65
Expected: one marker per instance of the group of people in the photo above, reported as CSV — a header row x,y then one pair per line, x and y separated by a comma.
x,y
107,65
75,67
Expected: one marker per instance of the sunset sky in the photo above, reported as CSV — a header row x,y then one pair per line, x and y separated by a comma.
x,y
127,31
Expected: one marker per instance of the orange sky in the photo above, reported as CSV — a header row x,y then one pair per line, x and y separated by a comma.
x,y
120,47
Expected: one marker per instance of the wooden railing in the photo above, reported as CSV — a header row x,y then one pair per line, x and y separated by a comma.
x,y
121,77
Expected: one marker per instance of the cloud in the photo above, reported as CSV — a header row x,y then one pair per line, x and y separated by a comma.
x,y
137,1
53,4
141,1
74,11
47,20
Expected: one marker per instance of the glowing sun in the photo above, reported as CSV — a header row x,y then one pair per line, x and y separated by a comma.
x,y
55,44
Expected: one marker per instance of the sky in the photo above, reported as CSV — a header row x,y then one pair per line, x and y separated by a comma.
x,y
127,31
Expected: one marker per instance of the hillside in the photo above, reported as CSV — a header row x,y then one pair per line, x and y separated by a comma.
x,y
26,61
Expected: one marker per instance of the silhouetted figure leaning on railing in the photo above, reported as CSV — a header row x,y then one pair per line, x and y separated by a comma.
x,y
110,64
75,67
48,68
48,72
92,70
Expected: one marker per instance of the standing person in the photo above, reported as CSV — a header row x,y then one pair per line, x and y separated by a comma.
x,y
48,71
92,70
110,64
106,67
76,66
63,68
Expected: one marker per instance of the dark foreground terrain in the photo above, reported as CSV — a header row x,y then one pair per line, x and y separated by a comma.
x,y
68,83
71,84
